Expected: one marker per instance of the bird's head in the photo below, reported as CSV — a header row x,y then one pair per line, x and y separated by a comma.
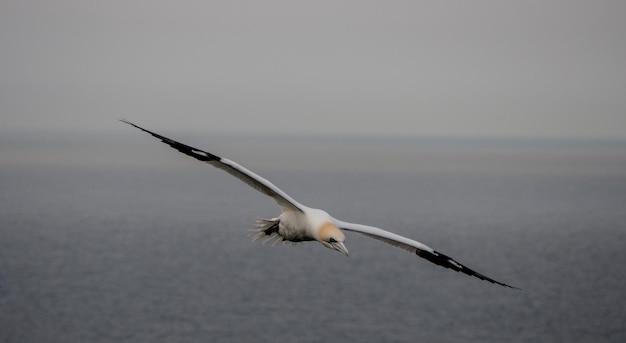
x,y
332,237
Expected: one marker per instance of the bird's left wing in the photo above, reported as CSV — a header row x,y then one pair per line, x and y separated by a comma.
x,y
253,180
414,247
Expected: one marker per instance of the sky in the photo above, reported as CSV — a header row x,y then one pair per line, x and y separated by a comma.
x,y
521,69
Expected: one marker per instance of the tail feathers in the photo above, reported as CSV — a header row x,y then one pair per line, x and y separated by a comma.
x,y
266,230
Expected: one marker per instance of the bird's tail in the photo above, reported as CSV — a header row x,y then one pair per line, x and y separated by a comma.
x,y
267,230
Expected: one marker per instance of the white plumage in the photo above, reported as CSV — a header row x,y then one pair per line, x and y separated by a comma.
x,y
298,223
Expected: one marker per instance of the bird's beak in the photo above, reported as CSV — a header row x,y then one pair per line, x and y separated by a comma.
x,y
339,246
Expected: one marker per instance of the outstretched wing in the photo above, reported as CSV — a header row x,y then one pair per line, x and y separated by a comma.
x,y
255,181
414,247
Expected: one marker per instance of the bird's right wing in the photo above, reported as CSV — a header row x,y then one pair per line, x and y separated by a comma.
x,y
253,180
414,247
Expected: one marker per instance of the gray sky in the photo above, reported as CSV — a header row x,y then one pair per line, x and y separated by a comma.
x,y
424,68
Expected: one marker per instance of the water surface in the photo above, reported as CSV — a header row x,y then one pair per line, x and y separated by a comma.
x,y
124,240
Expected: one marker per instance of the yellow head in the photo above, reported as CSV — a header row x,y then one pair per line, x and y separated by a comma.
x,y
332,237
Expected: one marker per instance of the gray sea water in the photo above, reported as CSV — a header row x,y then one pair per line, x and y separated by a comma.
x,y
117,239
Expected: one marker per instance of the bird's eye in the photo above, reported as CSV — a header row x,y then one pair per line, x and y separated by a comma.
x,y
332,240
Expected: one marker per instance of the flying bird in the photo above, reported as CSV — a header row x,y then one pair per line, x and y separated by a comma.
x,y
299,223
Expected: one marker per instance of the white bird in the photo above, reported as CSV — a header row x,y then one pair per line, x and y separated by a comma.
x,y
299,223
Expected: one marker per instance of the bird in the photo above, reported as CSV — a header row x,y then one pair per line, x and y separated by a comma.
x,y
300,223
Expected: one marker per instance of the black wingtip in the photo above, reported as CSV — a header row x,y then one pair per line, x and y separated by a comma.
x,y
447,262
126,121
185,149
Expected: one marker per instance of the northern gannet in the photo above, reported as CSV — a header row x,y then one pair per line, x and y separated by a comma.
x,y
299,223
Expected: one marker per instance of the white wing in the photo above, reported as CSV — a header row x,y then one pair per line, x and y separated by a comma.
x,y
255,181
414,247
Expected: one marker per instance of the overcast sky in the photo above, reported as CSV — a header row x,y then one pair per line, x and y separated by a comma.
x,y
422,68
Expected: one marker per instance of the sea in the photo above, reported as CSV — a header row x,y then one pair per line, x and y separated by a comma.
x,y
118,238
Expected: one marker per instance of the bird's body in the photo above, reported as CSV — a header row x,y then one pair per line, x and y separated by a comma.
x,y
299,223
298,226
309,224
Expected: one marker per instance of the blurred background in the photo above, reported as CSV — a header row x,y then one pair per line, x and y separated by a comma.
x,y
417,68
492,131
